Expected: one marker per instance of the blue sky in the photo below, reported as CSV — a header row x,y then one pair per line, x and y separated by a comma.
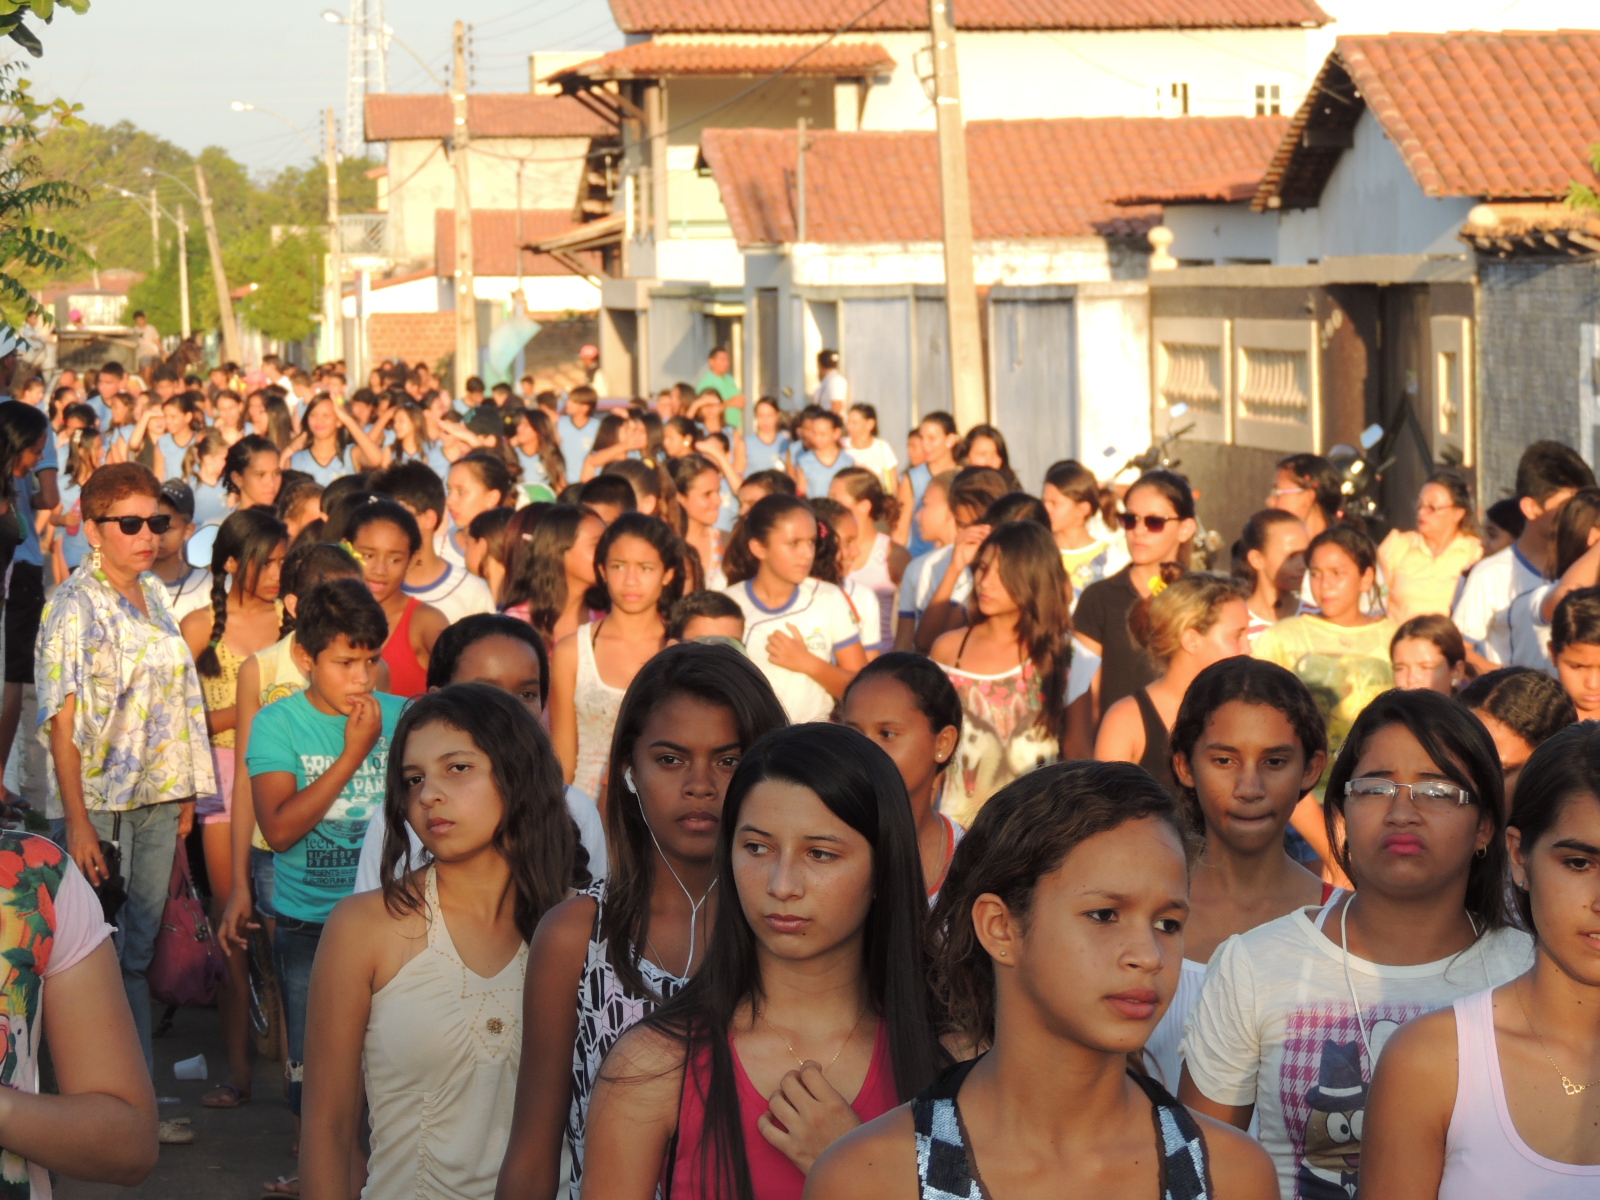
x,y
173,66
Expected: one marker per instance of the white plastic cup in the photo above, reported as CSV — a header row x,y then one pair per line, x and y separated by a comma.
x,y
191,1068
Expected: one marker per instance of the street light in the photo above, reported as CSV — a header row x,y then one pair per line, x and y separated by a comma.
x,y
183,246
151,171
337,18
242,106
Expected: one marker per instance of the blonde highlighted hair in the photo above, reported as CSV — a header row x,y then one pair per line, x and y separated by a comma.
x,y
1188,601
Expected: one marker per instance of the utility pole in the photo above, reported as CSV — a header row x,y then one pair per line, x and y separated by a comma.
x,y
155,230
183,270
466,292
230,331
960,286
333,285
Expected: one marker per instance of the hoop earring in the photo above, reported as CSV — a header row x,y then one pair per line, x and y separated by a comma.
x,y
1483,852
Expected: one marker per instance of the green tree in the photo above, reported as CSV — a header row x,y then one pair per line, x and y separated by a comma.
x,y
1580,195
27,194
13,26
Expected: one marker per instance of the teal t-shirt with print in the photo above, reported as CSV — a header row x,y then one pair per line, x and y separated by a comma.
x,y
292,735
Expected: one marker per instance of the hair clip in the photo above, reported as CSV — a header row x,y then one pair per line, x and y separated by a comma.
x,y
352,552
822,530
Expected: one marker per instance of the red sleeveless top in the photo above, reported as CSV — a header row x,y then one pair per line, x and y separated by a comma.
x,y
772,1176
406,676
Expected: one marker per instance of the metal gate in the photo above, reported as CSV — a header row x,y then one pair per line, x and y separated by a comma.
x,y
1034,361
895,352
680,340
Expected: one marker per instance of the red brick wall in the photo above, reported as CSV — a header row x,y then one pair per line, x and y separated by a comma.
x,y
415,337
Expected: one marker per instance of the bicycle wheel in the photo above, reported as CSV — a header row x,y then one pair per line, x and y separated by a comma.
x,y
266,1005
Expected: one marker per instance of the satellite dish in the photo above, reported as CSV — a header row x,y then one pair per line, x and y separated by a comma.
x,y
198,551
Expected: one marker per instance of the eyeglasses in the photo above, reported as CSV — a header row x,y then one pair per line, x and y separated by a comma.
x,y
1431,796
159,523
1131,521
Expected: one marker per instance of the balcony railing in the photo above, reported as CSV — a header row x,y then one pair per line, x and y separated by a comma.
x,y
364,234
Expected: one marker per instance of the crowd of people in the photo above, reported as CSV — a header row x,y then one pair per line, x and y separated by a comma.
x,y
684,798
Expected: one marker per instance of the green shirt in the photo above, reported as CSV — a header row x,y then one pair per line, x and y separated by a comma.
x,y
727,387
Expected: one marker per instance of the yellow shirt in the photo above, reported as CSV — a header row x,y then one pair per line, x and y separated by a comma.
x,y
1420,582
1346,667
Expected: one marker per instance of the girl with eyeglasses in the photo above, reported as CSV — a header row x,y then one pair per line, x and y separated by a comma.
x,y
1158,519
1295,1013
1500,1094
1423,566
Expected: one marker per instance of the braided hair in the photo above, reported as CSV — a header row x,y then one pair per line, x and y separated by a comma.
x,y
248,537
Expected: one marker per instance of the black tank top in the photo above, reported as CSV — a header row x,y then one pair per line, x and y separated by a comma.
x,y
1157,757
945,1171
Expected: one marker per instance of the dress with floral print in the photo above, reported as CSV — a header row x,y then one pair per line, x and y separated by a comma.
x,y
140,721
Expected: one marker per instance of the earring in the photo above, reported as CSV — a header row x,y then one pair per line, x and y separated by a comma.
x,y
1002,954
94,560
1482,852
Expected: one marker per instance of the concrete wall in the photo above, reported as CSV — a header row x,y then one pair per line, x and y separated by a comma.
x,y
1020,263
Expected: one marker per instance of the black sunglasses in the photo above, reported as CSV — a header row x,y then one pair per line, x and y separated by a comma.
x,y
1130,522
159,523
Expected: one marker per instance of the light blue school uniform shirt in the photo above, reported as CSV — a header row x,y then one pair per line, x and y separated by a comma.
x,y
210,501
920,476
576,443
74,546
338,467
759,456
819,475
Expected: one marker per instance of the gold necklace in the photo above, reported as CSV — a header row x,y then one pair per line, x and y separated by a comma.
x,y
1571,1089
836,1054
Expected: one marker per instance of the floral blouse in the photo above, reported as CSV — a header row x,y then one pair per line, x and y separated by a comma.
x,y
140,721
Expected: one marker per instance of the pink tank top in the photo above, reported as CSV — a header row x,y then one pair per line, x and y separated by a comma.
x,y
772,1176
1483,1153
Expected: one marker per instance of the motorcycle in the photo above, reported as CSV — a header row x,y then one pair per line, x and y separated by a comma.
x,y
1207,545
1360,473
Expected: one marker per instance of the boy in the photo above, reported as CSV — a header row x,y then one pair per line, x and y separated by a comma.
x,y
814,468
577,429
317,761
452,589
706,615
1548,475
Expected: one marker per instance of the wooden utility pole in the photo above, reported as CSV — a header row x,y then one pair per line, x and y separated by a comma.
x,y
155,229
466,293
183,271
231,351
960,285
333,285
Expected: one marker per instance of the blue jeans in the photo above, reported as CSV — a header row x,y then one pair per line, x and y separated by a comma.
x,y
149,839
294,949
261,880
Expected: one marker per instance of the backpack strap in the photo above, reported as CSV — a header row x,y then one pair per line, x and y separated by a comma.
x,y
1185,1162
944,1172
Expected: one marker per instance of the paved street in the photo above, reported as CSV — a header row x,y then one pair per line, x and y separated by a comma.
x,y
235,1150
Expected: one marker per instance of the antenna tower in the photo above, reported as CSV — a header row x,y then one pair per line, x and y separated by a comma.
x,y
366,69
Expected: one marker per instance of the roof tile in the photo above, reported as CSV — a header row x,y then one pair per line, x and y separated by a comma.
x,y
395,117
654,60
825,16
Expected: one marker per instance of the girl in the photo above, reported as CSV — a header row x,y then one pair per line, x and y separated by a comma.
x,y
653,491
1522,709
1270,559
936,527
1294,1013
385,537
766,447
332,443
800,631
204,465
184,420
869,451
838,550
477,482
608,956
550,569
907,705
639,565
487,544
985,446
244,618
1577,565
1423,566
937,439
1010,667
300,506
269,417
883,564
1074,498
1340,652
1429,652
1059,934
230,415
1196,620
415,1010
700,504
252,472
1496,1096
811,1012
538,452
620,435
85,454
1575,647
413,442
1158,518
1247,745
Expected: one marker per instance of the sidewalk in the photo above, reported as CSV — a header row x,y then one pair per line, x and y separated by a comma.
x,y
234,1151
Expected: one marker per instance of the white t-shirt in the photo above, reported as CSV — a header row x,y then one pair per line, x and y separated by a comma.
x,y
190,593
1483,610
1530,632
822,614
922,578
879,458
457,593
591,832
833,393
1275,1027
869,612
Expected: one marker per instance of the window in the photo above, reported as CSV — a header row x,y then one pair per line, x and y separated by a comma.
x,y
1172,100
1269,99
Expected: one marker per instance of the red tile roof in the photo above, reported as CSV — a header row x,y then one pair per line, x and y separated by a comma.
x,y
654,60
1206,189
495,241
1493,115
392,117
1029,179
818,16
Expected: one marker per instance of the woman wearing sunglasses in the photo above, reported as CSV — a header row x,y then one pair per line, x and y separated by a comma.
x,y
121,700
1158,518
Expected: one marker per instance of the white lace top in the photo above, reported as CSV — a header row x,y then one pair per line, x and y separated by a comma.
x,y
595,702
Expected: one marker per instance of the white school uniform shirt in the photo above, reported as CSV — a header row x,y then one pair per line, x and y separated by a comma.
x,y
456,593
921,579
825,619
869,612
1530,632
1483,609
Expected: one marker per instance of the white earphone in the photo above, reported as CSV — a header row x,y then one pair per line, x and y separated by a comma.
x,y
627,779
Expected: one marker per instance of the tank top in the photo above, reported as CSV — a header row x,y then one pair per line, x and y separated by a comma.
x,y
440,1058
406,676
772,1176
606,1011
945,1170
1001,738
595,702
1484,1155
222,691
1157,756
874,575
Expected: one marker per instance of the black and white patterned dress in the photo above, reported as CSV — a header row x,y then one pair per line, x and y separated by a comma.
x,y
945,1170
605,1012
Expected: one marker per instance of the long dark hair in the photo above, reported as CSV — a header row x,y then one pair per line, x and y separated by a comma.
x,y
1461,748
248,536
21,428
241,454
1076,482
658,535
708,672
535,568
549,451
1565,766
738,564
859,784
1578,517
537,835
1031,570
